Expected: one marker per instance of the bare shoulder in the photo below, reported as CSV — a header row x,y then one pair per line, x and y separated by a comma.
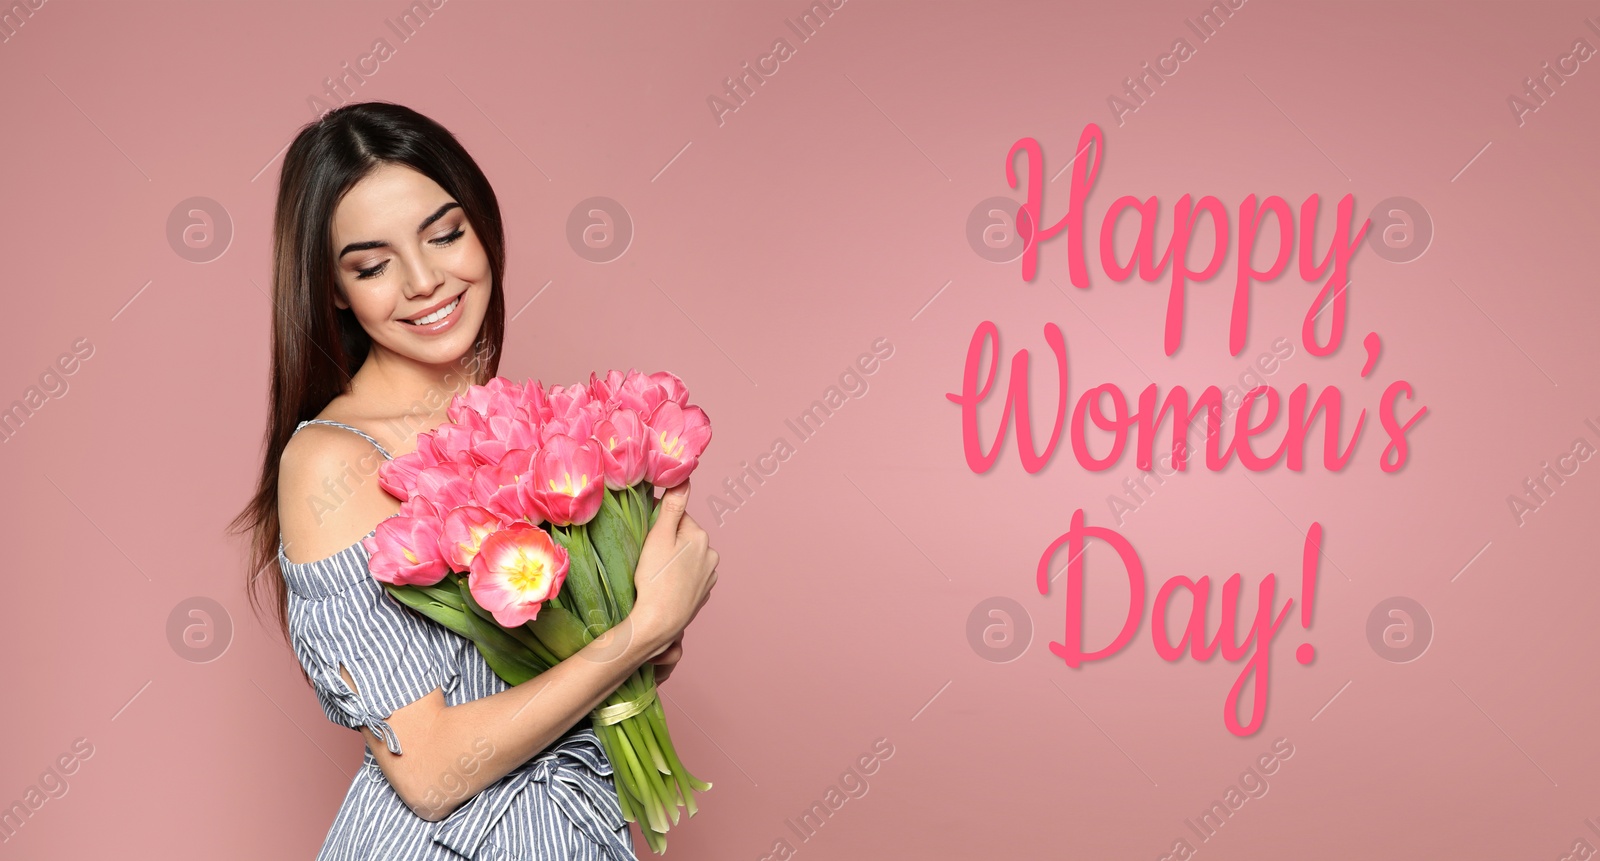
x,y
328,493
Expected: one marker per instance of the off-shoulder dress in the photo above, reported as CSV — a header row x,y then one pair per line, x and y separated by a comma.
x,y
561,804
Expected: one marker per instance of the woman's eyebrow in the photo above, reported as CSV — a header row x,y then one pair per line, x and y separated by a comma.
x,y
378,243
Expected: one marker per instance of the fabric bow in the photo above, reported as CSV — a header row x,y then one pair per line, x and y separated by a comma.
x,y
571,770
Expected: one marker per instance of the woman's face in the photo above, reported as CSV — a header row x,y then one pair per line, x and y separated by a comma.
x,y
409,266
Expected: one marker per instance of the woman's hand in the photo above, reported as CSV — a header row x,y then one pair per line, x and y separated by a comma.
x,y
665,661
676,571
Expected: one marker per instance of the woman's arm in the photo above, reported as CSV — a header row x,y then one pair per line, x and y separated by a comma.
x,y
450,753
668,659
444,763
447,764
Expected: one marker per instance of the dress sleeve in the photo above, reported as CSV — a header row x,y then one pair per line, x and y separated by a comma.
x,y
395,655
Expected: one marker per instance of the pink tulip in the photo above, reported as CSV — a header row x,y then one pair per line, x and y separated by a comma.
x,y
579,426
501,384
678,436
463,534
565,400
622,438
671,388
446,486
399,476
466,402
497,487
514,429
405,551
536,401
642,394
476,436
420,507
471,419
634,392
455,443
604,389
496,397
568,480
573,412
516,570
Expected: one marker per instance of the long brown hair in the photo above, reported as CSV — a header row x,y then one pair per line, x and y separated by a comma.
x,y
316,346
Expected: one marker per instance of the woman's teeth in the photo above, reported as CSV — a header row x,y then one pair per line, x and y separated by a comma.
x,y
437,315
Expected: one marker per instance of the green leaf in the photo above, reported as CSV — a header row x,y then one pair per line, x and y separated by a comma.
x,y
510,660
581,592
618,552
509,669
560,631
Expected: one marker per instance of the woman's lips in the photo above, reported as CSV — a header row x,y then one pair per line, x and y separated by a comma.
x,y
432,308
442,325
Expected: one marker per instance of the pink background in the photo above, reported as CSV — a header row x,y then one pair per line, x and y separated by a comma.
x,y
768,253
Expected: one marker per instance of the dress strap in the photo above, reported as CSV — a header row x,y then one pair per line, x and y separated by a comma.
x,y
364,434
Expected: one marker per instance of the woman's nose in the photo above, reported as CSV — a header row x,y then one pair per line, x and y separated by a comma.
x,y
422,278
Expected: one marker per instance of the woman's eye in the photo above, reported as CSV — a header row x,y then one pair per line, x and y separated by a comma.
x,y
363,274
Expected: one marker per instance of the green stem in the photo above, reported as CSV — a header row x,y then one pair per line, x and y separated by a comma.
x,y
672,751
656,755
605,582
652,806
632,809
642,687
680,775
625,500
497,646
445,592
658,787
647,494
623,801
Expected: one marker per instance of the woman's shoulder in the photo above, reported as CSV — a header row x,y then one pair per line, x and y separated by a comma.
x,y
328,492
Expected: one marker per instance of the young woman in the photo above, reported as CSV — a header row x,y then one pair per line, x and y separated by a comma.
x,y
389,259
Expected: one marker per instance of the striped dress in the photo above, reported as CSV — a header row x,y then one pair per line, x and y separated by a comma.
x,y
561,804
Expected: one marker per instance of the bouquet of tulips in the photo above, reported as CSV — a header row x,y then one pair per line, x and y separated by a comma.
x,y
521,523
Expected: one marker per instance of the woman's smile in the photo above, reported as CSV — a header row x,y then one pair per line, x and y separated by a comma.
x,y
438,318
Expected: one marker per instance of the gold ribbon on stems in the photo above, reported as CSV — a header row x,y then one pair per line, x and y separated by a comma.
x,y
619,712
